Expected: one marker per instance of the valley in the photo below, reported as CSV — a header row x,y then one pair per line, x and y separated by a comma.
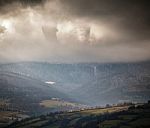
x,y
31,89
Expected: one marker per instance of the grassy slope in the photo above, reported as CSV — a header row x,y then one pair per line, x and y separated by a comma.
x,y
71,118
116,117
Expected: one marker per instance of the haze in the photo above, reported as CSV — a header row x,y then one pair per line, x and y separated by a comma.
x,y
67,31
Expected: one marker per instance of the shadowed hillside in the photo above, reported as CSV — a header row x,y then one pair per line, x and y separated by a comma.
x,y
135,116
93,84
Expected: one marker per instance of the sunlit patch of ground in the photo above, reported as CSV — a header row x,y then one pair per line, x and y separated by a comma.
x,y
56,103
105,110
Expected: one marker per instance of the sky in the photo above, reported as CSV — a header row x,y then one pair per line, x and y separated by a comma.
x,y
68,31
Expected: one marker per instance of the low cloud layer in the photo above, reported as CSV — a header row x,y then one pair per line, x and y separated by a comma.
x,y
74,31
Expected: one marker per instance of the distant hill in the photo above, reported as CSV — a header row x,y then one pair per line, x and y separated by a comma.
x,y
24,94
93,84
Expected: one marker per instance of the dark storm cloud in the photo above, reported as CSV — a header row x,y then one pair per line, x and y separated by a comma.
x,y
128,16
13,6
131,16
23,2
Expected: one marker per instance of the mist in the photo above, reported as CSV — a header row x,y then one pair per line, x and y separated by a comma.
x,y
65,32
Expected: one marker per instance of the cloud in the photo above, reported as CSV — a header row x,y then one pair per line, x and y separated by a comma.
x,y
74,31
130,16
4,3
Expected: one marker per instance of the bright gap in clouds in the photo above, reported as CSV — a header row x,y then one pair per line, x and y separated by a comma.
x,y
7,25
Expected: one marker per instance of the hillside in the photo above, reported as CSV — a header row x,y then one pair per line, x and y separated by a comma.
x,y
22,93
91,83
34,88
137,116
